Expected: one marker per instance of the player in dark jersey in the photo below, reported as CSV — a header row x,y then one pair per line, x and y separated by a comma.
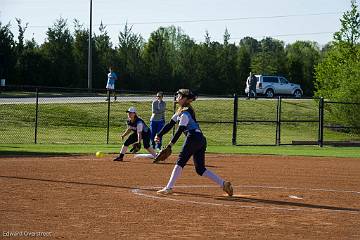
x,y
139,132
194,144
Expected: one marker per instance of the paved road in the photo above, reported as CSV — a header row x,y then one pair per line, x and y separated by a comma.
x,y
46,100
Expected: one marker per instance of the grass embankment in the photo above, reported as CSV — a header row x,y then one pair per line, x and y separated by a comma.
x,y
82,128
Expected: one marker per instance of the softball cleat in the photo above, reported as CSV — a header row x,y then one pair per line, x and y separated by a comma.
x,y
227,187
119,159
165,191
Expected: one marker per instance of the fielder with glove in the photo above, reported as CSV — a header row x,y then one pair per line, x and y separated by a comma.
x,y
194,145
139,132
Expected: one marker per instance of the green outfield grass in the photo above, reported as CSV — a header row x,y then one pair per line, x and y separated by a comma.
x,y
77,127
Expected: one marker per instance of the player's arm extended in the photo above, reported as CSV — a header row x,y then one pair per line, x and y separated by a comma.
x,y
183,122
127,131
177,134
166,128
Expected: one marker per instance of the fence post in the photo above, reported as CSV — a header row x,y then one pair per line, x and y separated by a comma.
x,y
174,110
108,118
321,122
36,114
236,103
278,122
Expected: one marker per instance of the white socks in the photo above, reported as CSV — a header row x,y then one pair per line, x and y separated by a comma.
x,y
123,149
174,176
215,178
178,170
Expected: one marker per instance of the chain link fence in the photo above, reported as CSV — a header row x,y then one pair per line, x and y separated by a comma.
x,y
341,123
285,121
69,117
299,121
17,121
256,121
215,116
79,117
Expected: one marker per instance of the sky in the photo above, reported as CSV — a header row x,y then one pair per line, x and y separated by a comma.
x,y
286,20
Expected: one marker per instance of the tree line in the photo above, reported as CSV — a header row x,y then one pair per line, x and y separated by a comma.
x,y
169,59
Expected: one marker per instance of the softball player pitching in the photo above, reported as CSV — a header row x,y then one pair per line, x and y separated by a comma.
x,y
194,145
139,132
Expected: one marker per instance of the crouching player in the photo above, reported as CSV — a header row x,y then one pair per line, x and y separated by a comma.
x,y
139,132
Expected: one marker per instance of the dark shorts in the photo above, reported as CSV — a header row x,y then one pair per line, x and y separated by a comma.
x,y
134,137
194,145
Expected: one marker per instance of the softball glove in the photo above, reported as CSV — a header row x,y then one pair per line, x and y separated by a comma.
x,y
135,147
163,154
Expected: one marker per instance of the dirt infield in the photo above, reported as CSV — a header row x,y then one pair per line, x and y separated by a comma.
x,y
276,197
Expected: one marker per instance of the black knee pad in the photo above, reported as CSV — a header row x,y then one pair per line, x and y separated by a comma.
x,y
200,171
128,142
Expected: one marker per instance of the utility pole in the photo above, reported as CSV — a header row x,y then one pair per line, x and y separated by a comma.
x,y
90,51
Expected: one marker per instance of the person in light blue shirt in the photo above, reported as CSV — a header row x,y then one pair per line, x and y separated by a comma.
x,y
110,85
